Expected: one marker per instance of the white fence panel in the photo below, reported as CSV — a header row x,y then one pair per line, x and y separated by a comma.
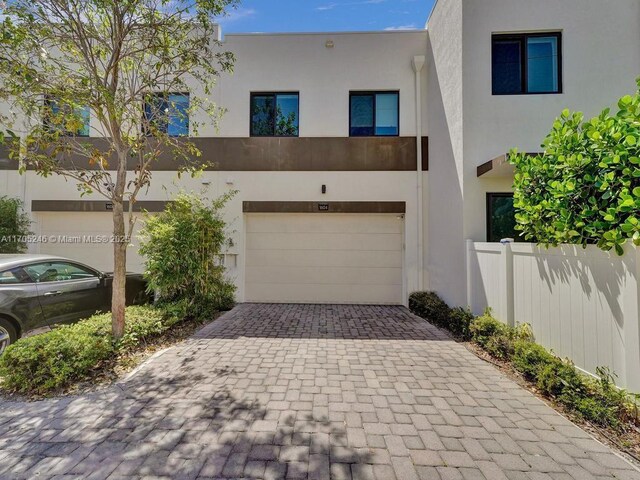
x,y
581,303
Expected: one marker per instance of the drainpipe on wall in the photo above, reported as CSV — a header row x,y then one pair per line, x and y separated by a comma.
x,y
418,63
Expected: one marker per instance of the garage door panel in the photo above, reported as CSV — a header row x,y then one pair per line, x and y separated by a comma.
x,y
325,275
304,293
323,258
318,258
325,223
323,241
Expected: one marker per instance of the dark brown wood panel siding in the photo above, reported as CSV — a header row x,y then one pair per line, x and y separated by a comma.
x,y
289,154
324,207
91,206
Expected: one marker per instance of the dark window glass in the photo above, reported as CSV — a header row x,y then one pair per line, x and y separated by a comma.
x,y
374,114
526,63
275,114
72,121
14,276
507,66
167,113
58,272
501,217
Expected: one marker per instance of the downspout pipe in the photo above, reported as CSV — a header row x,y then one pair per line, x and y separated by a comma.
x,y
418,63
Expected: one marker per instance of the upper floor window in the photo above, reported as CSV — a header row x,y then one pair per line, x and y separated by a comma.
x,y
69,120
374,114
275,114
527,63
167,113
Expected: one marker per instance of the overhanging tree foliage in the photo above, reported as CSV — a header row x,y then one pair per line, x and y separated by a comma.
x,y
118,62
585,188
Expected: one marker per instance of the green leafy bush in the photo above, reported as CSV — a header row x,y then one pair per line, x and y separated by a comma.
x,y
459,324
529,358
14,226
492,335
47,362
585,188
182,247
430,306
53,360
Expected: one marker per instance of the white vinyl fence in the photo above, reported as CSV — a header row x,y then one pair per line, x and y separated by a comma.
x,y
582,304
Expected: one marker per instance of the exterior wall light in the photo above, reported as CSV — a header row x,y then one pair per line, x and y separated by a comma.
x,y
329,44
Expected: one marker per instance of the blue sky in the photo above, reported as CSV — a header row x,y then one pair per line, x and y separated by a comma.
x,y
325,15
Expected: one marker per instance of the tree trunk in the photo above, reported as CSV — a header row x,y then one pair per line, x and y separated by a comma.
x,y
118,297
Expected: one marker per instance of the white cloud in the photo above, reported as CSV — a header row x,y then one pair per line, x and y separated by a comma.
x,y
239,14
411,26
331,6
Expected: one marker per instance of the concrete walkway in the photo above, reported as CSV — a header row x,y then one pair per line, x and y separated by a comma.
x,y
306,391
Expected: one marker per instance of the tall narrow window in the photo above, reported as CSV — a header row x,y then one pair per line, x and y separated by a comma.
x,y
527,63
275,114
167,113
501,217
374,114
69,120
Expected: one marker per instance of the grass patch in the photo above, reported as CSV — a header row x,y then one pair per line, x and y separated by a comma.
x,y
70,355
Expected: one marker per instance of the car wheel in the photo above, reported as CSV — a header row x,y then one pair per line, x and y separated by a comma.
x,y
8,334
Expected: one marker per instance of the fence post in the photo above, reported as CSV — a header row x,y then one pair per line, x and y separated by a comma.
x,y
631,315
508,287
469,250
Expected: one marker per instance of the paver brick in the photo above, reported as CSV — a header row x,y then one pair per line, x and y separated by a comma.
x,y
306,391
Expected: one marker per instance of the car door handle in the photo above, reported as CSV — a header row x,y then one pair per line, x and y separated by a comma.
x,y
52,294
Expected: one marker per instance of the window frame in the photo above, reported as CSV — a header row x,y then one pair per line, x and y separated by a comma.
x,y
524,67
49,101
374,94
146,122
275,98
489,224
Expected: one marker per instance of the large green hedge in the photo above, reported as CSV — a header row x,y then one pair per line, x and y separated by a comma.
x,y
585,188
45,363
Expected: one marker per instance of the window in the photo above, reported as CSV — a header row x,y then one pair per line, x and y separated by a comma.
x,y
14,276
275,114
501,217
527,63
66,119
167,113
58,272
374,114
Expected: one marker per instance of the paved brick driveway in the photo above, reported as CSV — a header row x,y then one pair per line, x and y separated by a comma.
x,y
284,391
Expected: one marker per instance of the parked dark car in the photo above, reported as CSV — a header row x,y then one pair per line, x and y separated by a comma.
x,y
40,290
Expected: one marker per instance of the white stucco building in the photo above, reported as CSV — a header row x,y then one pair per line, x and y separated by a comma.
x,y
396,157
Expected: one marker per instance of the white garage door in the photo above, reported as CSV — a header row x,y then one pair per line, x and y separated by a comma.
x,y
324,258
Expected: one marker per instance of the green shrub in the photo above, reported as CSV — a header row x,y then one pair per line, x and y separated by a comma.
x,y
430,306
558,378
54,360
529,358
459,323
14,226
182,247
492,335
584,189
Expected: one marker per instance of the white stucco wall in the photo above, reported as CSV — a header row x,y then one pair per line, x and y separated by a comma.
x,y
600,63
445,240
469,126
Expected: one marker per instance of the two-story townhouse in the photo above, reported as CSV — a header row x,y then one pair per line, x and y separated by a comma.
x,y
392,152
